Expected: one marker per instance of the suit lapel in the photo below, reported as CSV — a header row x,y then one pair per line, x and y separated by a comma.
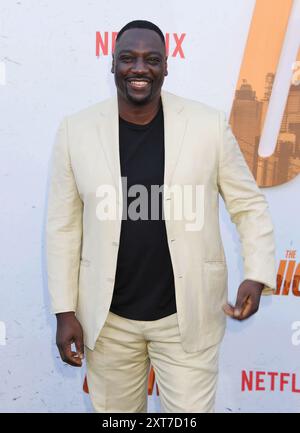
x,y
174,126
109,138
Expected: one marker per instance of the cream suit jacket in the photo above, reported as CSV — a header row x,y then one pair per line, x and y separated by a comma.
x,y
82,248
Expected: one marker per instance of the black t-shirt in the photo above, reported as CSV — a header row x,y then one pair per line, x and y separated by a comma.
x,y
144,282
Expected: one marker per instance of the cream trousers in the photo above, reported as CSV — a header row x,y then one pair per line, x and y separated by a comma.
x,y
118,367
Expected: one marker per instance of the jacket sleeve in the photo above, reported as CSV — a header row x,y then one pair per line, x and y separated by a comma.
x,y
248,210
63,227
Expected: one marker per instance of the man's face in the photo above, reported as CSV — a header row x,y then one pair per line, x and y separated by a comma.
x,y
139,65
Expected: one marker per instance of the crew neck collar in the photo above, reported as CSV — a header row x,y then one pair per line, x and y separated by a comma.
x,y
146,125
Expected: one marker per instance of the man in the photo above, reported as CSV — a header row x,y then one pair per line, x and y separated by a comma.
x,y
129,289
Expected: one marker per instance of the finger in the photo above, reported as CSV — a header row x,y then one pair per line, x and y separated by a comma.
x,y
249,309
239,305
76,359
79,347
228,309
73,359
246,312
69,357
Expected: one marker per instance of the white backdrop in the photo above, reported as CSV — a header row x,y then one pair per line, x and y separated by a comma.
x,y
48,68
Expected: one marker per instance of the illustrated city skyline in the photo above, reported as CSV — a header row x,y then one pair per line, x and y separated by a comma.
x,y
246,120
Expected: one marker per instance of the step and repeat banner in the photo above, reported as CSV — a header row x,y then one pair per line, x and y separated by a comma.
x,y
240,57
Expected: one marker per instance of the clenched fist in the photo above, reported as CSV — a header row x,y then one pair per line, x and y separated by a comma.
x,y
247,301
69,331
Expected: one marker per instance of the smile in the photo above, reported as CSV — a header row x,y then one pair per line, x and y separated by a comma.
x,y
138,84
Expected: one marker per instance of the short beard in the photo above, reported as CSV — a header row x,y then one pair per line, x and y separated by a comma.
x,y
139,102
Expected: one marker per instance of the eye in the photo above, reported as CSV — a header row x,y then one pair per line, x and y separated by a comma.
x,y
126,59
154,60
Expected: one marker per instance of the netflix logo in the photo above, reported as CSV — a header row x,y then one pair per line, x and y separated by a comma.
x,y
269,381
288,275
105,44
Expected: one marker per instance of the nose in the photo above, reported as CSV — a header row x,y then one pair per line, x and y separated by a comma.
x,y
139,66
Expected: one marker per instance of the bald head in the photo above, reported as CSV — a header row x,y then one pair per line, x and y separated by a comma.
x,y
141,24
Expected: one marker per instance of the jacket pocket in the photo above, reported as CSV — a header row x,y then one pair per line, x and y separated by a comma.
x,y
215,261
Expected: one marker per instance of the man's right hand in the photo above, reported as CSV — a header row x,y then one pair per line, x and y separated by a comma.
x,y
69,331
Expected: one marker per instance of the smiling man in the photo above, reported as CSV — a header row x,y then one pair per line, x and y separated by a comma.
x,y
139,66
137,290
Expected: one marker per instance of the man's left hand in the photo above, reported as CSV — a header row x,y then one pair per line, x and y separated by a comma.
x,y
247,301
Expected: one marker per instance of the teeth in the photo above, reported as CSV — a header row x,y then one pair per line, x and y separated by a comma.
x,y
139,83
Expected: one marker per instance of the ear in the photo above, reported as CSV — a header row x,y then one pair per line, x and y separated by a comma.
x,y
112,64
166,66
